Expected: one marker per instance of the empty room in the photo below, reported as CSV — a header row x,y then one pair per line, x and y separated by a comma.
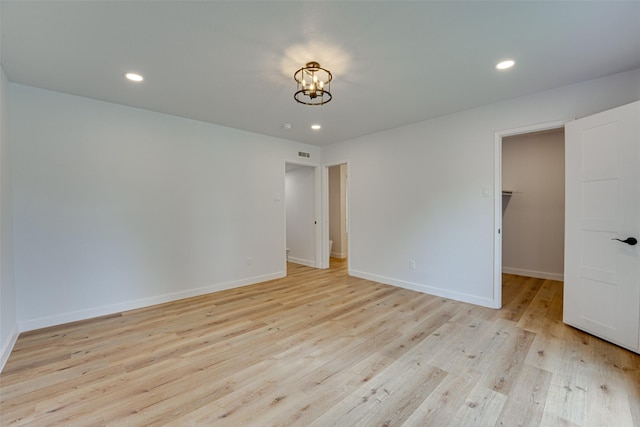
x,y
290,213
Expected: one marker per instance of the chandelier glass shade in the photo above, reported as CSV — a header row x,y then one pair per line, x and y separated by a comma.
x,y
313,84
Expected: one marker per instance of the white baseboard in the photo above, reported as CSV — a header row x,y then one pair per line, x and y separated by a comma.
x,y
532,273
7,347
74,316
425,289
340,255
302,261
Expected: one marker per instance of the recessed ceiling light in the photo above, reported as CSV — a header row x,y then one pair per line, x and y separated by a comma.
x,y
134,77
505,64
316,127
286,126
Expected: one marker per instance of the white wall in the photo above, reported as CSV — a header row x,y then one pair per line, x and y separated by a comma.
x,y
117,207
416,192
533,217
300,195
8,322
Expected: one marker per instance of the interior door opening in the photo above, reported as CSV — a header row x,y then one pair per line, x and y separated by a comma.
x,y
533,204
338,244
301,214
529,204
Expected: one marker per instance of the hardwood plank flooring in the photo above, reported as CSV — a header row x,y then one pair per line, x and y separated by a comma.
x,y
320,348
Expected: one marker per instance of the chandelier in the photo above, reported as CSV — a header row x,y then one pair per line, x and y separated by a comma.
x,y
314,84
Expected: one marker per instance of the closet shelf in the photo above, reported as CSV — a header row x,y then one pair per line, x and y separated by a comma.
x,y
508,192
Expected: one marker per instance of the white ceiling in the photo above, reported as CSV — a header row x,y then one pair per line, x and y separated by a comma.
x,y
394,62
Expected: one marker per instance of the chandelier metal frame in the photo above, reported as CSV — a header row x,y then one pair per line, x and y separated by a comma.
x,y
313,84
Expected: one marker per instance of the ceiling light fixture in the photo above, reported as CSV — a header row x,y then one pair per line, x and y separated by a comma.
x,y
134,77
314,84
316,127
505,64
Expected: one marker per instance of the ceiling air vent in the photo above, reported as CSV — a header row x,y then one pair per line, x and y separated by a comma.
x,y
303,154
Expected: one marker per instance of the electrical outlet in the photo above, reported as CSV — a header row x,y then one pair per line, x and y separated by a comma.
x,y
249,261
412,264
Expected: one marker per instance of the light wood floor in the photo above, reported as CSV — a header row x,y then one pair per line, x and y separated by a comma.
x,y
319,348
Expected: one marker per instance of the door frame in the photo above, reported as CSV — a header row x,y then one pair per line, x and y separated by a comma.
x,y
317,210
324,247
497,191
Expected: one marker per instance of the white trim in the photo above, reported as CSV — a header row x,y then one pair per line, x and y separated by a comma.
x,y
324,237
532,273
74,316
497,192
425,289
540,127
317,173
283,199
301,261
8,347
497,221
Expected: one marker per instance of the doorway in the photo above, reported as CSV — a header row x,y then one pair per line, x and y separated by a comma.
x,y
301,214
338,234
529,198
533,204
337,189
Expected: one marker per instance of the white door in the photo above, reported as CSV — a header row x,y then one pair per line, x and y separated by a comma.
x,y
602,275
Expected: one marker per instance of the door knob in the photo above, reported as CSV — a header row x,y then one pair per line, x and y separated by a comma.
x,y
629,241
